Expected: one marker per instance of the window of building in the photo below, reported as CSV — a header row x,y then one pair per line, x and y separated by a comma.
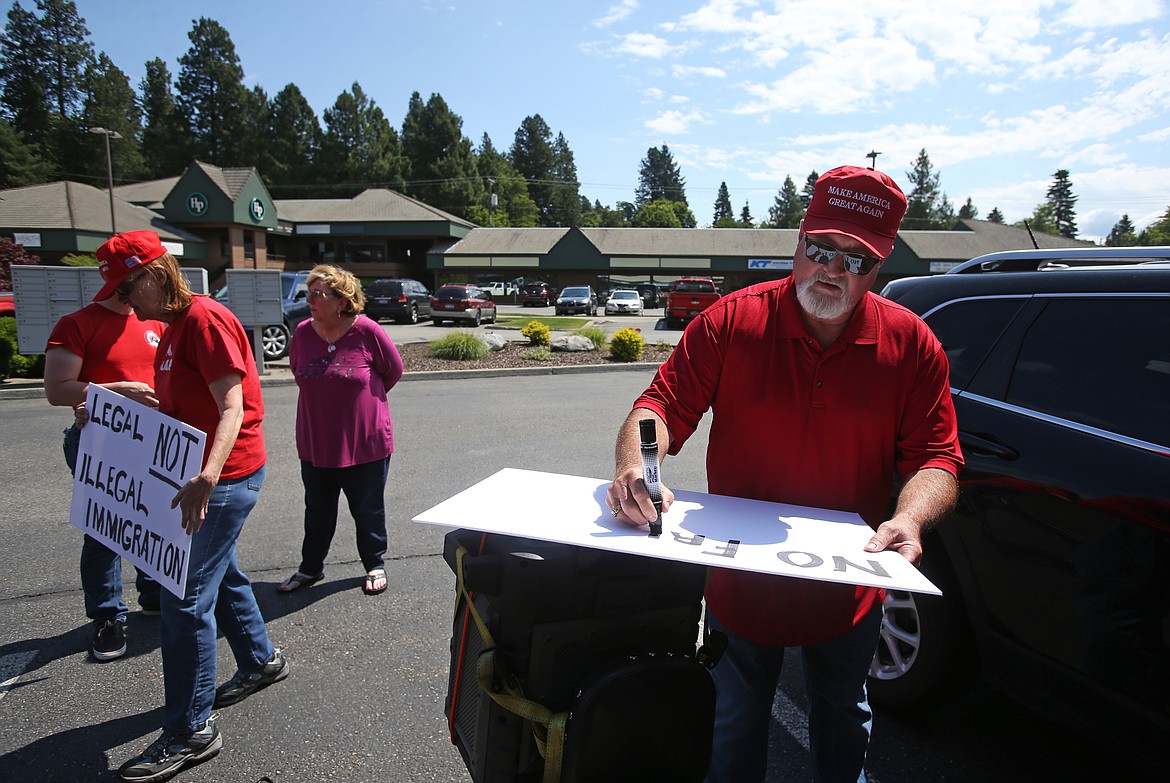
x,y
365,252
249,245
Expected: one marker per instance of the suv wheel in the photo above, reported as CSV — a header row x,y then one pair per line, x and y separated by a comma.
x,y
475,318
925,654
274,340
411,315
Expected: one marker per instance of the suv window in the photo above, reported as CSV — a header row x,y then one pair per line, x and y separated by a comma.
x,y
385,288
452,292
969,330
1103,362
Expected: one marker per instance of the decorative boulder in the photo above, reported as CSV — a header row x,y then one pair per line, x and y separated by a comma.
x,y
572,342
493,341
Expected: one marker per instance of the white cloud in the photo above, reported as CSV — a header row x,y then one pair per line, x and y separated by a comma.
x,y
831,84
617,13
644,45
683,71
1108,13
676,122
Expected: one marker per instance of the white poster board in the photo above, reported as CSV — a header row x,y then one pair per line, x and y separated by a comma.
x,y
131,462
710,530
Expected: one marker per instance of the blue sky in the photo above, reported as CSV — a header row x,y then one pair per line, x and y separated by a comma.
x,y
1000,93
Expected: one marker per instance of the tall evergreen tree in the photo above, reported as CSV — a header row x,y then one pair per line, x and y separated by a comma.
x,y
723,217
294,144
255,133
659,177
166,146
20,164
810,185
110,103
745,217
994,216
787,209
968,210
925,197
67,55
442,166
565,208
532,155
361,148
1157,233
23,75
1063,203
212,96
514,206
1122,234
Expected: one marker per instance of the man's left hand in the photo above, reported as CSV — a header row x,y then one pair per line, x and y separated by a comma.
x,y
901,536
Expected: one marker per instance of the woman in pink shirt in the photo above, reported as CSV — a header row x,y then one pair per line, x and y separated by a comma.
x,y
344,364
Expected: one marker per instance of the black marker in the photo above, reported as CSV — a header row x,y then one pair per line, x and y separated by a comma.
x,y
648,431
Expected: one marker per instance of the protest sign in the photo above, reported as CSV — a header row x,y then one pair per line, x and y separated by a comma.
x,y
712,530
131,462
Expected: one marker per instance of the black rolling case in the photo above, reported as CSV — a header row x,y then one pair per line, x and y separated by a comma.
x,y
574,665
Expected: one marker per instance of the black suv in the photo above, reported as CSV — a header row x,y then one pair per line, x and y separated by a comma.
x,y
401,299
1055,568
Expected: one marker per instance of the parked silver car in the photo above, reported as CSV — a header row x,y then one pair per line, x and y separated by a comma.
x,y
627,301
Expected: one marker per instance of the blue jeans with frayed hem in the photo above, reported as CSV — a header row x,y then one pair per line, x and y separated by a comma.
x,y
839,720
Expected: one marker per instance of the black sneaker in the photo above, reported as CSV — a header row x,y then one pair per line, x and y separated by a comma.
x,y
243,684
169,754
109,640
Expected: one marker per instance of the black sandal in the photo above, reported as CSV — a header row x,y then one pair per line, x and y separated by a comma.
x,y
299,580
372,577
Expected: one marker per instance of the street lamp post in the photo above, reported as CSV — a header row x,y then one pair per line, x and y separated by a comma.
x,y
108,134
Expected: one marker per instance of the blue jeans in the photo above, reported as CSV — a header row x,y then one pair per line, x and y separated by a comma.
x,y
365,489
839,720
219,597
101,567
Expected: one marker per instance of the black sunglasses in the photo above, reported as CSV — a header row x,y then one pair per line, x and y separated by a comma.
x,y
126,287
855,263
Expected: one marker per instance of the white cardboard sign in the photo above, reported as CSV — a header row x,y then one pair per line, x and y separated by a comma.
x,y
131,462
710,530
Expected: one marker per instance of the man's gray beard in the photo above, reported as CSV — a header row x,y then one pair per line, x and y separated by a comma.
x,y
818,305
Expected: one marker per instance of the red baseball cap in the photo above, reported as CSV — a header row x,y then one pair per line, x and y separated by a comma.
x,y
121,254
860,203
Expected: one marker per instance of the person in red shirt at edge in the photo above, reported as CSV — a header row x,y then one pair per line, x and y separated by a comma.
x,y
104,344
820,391
204,376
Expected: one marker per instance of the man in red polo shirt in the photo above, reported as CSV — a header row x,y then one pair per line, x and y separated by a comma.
x,y
820,392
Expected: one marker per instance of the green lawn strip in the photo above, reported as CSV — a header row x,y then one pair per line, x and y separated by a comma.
x,y
556,323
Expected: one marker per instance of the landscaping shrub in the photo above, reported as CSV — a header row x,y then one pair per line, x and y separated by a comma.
x,y
13,364
538,355
626,344
537,333
593,334
460,346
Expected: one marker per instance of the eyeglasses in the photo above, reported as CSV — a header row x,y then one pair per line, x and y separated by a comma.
x,y
855,263
317,293
126,287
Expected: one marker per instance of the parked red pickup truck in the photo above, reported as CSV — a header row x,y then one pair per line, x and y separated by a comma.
x,y
688,297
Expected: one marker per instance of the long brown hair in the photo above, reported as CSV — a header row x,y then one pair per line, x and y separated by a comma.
x,y
169,278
